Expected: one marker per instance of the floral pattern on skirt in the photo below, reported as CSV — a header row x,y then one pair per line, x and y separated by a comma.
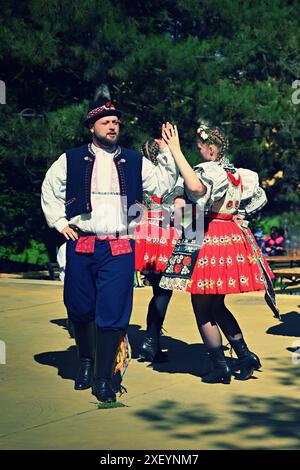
x,y
227,263
153,245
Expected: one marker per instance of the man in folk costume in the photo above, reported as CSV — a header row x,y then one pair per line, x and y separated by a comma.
x,y
86,195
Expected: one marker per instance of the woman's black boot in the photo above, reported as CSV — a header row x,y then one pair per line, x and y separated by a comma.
x,y
221,372
247,360
84,334
150,350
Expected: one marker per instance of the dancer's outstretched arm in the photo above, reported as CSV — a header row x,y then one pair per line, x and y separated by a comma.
x,y
170,136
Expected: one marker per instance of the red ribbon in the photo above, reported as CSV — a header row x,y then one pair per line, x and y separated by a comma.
x,y
215,215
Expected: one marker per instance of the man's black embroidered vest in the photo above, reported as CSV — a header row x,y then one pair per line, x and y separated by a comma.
x,y
80,162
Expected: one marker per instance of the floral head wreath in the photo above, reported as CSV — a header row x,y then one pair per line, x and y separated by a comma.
x,y
202,132
214,135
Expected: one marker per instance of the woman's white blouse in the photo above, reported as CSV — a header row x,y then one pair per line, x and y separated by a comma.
x,y
253,196
215,179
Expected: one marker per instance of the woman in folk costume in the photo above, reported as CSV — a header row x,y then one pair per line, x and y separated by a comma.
x,y
155,241
228,260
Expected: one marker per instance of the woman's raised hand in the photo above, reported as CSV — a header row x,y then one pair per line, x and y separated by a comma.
x,y
170,135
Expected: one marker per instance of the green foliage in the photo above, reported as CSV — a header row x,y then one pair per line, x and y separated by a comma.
x,y
229,61
35,253
290,222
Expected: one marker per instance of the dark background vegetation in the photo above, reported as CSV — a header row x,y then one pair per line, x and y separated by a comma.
x,y
232,62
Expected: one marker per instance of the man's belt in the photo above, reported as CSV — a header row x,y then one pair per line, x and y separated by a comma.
x,y
119,244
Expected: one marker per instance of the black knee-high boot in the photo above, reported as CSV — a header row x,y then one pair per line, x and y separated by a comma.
x,y
221,372
150,350
84,334
248,361
108,342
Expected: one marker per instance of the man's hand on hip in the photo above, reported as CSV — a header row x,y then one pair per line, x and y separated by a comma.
x,y
69,233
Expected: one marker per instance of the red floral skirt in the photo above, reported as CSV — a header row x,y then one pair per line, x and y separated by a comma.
x,y
153,245
227,261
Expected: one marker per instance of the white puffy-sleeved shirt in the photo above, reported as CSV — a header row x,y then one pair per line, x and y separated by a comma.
x,y
251,196
107,215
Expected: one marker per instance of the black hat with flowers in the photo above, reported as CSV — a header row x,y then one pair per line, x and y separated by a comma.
x,y
100,108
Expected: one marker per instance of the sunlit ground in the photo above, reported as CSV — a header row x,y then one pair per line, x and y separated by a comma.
x,y
166,408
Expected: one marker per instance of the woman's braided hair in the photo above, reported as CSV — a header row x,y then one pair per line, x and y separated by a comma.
x,y
150,150
214,135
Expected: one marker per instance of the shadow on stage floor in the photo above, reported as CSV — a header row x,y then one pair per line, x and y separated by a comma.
x,y
183,358
290,325
253,422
